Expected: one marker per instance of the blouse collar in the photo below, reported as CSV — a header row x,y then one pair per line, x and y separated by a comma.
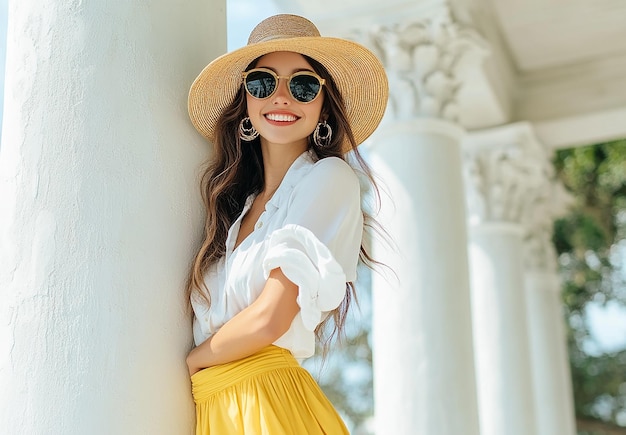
x,y
298,169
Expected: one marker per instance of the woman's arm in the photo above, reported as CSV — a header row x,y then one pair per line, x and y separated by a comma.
x,y
258,325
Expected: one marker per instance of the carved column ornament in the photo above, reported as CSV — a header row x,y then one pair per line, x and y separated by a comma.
x,y
507,172
426,62
510,178
539,251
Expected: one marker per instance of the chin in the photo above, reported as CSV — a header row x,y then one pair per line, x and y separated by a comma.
x,y
287,141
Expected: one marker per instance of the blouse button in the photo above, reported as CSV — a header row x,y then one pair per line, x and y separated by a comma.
x,y
259,225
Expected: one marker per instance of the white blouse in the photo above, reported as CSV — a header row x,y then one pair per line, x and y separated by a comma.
x,y
311,228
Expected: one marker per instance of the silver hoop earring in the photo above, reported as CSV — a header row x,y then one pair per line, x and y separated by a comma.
x,y
322,134
247,131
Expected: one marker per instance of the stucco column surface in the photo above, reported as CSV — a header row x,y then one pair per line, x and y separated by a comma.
x,y
554,399
509,180
503,366
99,213
423,358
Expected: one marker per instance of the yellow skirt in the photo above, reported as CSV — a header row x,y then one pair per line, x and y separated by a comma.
x,y
267,393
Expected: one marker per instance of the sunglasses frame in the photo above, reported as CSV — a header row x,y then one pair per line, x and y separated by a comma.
x,y
277,78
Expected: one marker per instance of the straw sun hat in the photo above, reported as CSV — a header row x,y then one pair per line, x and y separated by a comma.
x,y
358,74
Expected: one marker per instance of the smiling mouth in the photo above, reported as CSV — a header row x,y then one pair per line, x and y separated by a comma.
x,y
281,117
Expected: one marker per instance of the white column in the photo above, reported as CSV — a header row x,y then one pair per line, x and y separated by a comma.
x,y
503,369
423,358
3,44
554,399
507,173
99,213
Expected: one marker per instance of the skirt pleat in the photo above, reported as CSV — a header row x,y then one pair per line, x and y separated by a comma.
x,y
267,393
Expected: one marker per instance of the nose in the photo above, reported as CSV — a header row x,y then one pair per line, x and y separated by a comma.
x,y
281,96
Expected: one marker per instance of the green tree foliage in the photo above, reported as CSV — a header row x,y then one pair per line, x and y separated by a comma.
x,y
591,243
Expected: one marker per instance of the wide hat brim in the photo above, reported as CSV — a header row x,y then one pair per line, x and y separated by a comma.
x,y
356,71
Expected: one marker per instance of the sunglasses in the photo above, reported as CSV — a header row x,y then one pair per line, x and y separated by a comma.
x,y
261,83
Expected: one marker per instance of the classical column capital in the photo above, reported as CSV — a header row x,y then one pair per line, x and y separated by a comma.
x,y
506,173
539,252
426,61
510,177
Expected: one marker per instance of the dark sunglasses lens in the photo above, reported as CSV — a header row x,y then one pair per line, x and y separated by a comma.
x,y
304,88
260,84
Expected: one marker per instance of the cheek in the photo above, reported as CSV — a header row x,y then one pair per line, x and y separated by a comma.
x,y
249,103
252,108
320,101
315,112
319,105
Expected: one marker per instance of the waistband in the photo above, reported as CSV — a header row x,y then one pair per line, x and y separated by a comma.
x,y
214,379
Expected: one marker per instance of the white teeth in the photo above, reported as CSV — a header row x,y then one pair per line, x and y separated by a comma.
x,y
280,117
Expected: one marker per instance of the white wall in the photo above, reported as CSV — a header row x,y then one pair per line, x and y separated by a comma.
x,y
100,213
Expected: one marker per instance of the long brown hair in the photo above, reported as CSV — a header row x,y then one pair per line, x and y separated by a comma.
x,y
235,172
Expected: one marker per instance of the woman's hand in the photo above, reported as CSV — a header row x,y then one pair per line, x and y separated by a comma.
x,y
192,363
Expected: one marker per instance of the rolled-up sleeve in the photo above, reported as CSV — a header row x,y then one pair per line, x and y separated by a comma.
x,y
318,246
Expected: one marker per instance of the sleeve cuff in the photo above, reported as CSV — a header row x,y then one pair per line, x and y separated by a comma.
x,y
310,265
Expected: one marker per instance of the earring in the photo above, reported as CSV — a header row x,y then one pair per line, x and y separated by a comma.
x,y
247,131
322,138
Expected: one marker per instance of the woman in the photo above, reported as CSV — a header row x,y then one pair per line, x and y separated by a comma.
x,y
284,222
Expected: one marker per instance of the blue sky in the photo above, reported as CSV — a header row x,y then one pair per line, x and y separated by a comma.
x,y
242,16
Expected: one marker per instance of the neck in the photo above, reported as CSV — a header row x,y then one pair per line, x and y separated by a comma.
x,y
276,163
